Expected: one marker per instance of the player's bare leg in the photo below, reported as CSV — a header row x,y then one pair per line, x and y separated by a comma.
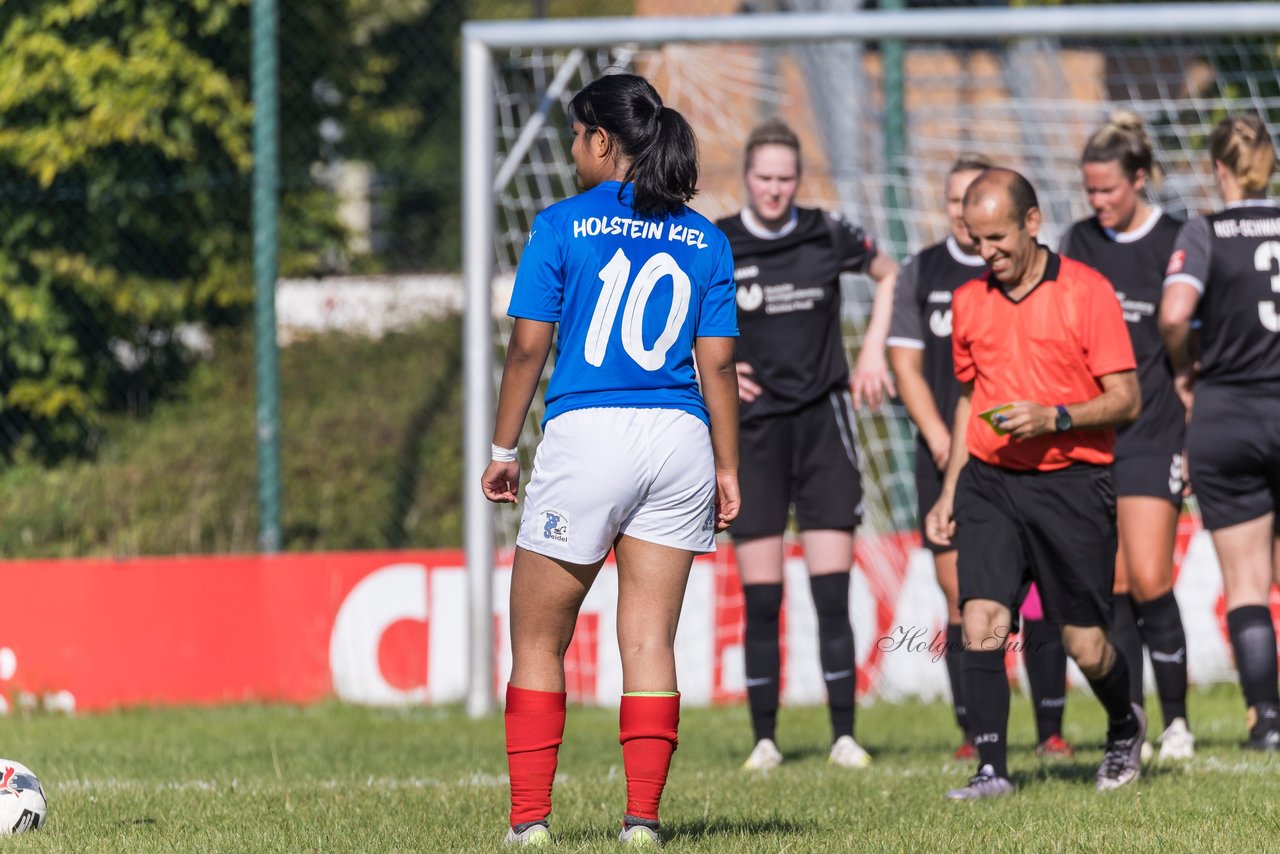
x,y
651,585
546,595
1246,553
829,555
760,568
1147,528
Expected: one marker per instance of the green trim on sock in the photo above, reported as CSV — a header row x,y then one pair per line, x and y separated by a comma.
x,y
651,694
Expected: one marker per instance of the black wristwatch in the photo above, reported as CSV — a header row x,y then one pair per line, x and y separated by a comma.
x,y
1063,421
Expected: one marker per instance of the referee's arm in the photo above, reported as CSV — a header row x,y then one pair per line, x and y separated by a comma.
x,y
940,524
1120,403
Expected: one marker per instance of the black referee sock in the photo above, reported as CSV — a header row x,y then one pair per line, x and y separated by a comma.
x,y
835,648
1112,689
986,687
1046,662
1253,639
764,603
1160,625
955,650
1124,637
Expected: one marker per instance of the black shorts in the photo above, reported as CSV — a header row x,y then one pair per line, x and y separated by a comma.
x,y
1233,453
928,488
1154,476
1056,528
807,459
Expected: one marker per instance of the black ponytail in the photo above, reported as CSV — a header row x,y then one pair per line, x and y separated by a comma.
x,y
656,140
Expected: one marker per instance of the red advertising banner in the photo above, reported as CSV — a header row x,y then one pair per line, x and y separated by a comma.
x,y
390,628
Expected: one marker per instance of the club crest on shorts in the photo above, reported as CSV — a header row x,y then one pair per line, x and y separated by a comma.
x,y
555,526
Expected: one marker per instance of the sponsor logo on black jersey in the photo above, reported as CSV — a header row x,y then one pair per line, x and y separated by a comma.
x,y
751,297
751,271
940,323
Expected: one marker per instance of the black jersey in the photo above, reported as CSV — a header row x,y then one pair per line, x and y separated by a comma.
x,y
789,305
922,314
1134,263
1233,259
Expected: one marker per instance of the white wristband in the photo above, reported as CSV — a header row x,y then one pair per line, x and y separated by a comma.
x,y
501,454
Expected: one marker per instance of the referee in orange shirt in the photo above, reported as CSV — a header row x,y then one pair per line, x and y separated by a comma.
x,y
1047,373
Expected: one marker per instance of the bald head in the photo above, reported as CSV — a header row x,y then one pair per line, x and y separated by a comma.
x,y
1003,190
1003,221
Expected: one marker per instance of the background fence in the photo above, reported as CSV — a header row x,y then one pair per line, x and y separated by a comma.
x,y
126,360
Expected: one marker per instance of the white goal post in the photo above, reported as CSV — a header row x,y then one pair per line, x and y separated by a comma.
x,y
484,177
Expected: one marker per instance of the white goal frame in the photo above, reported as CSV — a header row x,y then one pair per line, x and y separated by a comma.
x,y
482,181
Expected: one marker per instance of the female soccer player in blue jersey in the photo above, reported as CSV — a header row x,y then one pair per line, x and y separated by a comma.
x,y
635,456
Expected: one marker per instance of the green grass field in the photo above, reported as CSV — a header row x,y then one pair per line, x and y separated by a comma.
x,y
341,778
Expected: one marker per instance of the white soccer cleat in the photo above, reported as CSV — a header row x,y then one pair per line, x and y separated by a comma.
x,y
847,753
1122,759
639,836
534,834
1177,743
764,756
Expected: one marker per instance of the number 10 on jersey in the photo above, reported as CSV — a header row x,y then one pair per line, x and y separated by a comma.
x,y
613,278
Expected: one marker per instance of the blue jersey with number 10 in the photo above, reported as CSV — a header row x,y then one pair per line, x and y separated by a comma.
x,y
630,295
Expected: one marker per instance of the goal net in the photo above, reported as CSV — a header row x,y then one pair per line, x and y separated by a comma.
x,y
1026,101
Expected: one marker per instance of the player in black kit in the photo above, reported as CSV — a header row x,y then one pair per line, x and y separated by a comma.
x,y
1225,271
920,352
1129,240
798,435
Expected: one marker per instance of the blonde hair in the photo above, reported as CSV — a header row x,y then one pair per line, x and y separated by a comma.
x,y
1124,140
971,162
771,132
1243,145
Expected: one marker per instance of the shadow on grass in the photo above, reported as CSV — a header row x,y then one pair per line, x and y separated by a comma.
x,y
710,828
702,829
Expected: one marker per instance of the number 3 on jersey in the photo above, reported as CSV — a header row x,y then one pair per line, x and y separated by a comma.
x,y
1268,253
614,278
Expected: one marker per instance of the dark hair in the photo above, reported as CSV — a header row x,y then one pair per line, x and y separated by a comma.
x,y
970,162
1242,144
1021,195
656,140
1123,140
772,132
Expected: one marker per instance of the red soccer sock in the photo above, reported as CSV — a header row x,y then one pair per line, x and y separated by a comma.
x,y
648,724
535,728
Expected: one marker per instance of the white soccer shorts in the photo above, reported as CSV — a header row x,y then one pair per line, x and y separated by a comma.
x,y
646,473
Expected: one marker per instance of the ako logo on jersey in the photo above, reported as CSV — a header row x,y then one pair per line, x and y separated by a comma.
x,y
751,297
1176,260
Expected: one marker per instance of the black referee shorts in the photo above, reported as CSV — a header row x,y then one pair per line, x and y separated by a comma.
x,y
928,488
807,458
1056,528
1233,453
1149,475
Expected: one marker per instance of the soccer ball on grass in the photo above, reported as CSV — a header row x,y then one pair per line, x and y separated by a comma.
x,y
22,803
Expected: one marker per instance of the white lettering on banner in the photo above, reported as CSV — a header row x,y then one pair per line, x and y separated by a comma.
x,y
384,597
907,605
